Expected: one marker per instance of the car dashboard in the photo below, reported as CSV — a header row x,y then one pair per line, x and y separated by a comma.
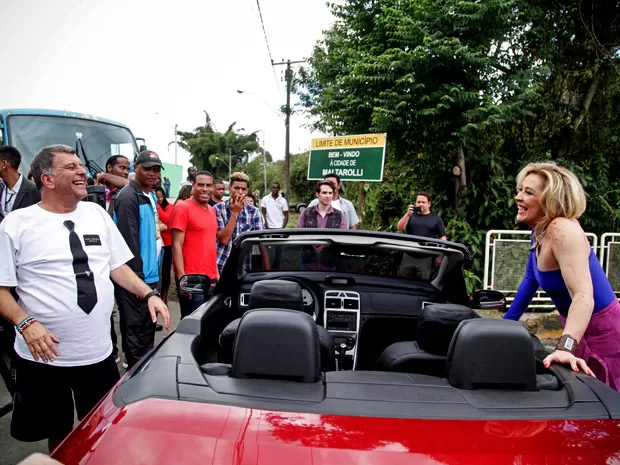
x,y
351,306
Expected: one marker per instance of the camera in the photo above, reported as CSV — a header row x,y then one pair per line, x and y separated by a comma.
x,y
417,210
95,194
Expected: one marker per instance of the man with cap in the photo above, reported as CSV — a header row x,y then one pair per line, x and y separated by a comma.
x,y
135,214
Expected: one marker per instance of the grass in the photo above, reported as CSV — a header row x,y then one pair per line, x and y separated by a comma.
x,y
293,218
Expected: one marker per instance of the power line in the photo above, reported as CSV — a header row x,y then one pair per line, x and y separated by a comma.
x,y
260,14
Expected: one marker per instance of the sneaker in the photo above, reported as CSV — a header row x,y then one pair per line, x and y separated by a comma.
x,y
125,366
117,359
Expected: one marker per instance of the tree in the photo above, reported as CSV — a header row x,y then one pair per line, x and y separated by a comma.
x,y
469,92
426,72
259,167
213,150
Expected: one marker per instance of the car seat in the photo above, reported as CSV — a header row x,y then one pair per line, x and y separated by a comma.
x,y
277,344
427,354
492,354
270,295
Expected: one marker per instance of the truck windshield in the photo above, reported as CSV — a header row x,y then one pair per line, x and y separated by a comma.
x,y
29,134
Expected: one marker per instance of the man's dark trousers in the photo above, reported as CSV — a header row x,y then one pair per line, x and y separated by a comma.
x,y
189,305
137,328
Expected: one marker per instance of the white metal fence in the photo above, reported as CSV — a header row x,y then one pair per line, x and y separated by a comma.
x,y
609,256
506,254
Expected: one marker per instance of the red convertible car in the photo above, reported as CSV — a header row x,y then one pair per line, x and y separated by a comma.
x,y
338,347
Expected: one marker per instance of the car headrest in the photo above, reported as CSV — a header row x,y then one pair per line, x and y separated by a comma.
x,y
437,325
493,354
276,293
277,344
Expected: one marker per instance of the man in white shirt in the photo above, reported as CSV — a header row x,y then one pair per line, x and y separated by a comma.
x,y
62,274
275,208
340,203
15,190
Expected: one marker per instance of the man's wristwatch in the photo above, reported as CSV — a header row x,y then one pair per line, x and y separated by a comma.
x,y
567,343
151,294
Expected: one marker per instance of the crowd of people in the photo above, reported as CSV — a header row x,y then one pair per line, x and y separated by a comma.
x,y
57,281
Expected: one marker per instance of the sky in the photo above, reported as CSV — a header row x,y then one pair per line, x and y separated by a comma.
x,y
151,65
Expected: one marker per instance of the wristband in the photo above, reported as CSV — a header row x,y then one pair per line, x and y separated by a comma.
x,y
567,343
26,322
151,294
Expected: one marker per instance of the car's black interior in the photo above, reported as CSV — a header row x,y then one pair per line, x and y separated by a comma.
x,y
289,346
276,294
350,344
427,353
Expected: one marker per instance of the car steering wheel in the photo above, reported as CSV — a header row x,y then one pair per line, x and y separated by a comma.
x,y
312,308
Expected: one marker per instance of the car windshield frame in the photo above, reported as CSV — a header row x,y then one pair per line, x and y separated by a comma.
x,y
29,133
453,255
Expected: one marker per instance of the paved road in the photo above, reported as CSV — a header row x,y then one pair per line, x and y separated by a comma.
x,y
12,451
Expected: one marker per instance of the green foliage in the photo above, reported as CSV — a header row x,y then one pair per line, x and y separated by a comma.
x,y
472,281
259,169
213,151
417,69
302,189
506,81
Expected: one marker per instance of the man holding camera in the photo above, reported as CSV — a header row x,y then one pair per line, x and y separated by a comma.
x,y
419,221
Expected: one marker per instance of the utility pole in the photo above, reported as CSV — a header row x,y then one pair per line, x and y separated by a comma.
x,y
264,165
288,77
175,143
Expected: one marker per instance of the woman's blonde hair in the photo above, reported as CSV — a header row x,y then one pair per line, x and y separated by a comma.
x,y
562,196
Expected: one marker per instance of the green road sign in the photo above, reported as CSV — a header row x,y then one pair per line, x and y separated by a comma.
x,y
353,158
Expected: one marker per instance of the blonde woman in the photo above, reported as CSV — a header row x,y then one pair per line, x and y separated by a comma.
x,y
550,200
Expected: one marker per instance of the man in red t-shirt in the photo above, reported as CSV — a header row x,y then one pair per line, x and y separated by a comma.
x,y
194,232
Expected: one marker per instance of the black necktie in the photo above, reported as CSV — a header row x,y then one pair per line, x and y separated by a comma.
x,y
85,280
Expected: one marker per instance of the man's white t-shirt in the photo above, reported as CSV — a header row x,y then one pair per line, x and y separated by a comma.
x,y
7,197
274,210
159,244
37,259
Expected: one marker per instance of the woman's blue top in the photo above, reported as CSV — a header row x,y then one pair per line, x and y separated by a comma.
x,y
553,284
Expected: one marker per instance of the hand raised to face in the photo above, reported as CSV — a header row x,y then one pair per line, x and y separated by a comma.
x,y
237,201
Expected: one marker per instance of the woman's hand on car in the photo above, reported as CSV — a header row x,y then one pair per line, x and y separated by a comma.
x,y
566,358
